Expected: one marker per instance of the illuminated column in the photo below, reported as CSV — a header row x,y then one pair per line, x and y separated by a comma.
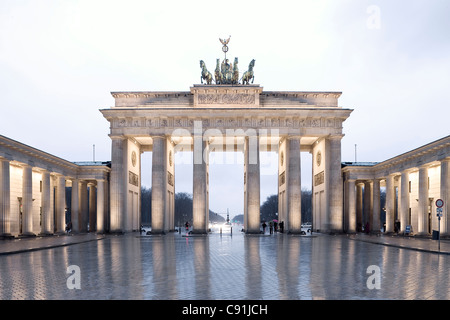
x,y
359,206
46,227
27,201
351,196
158,184
445,196
390,202
368,202
100,206
92,207
251,153
83,205
118,183
403,208
75,206
335,218
294,192
422,213
60,204
5,199
199,198
376,206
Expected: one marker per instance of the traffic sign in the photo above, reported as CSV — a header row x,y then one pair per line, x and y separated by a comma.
x,y
439,203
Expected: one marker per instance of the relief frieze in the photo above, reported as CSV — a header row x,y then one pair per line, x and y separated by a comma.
x,y
226,98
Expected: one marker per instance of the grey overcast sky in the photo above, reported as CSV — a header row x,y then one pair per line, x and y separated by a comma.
x,y
59,61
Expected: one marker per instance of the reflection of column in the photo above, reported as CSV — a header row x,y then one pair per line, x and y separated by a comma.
x,y
403,208
5,198
351,192
422,213
294,191
251,150
199,197
27,201
60,204
92,207
445,196
376,206
158,184
46,227
390,203
75,207
100,205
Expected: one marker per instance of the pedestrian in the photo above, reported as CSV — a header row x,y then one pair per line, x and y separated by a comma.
x,y
271,227
281,226
69,227
264,225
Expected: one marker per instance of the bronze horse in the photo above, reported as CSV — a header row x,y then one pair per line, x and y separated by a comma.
x,y
249,74
205,73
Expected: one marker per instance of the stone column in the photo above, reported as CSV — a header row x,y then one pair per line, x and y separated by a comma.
x,y
200,209
5,199
390,203
158,184
368,201
118,183
27,201
60,204
294,191
100,206
376,206
335,218
403,208
46,227
359,206
75,206
351,196
422,213
83,205
251,150
92,207
445,196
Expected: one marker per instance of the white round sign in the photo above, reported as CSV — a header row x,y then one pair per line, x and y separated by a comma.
x,y
439,203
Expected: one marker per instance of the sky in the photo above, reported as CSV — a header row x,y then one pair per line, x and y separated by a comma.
x,y
60,60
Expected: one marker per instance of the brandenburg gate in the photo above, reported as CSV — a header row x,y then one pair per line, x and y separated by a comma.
x,y
226,117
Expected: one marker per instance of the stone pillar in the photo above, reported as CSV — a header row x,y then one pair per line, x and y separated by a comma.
x,y
359,206
251,152
390,203
376,206
294,191
403,208
75,206
92,207
83,205
158,184
200,208
445,196
46,226
351,196
100,206
118,183
5,199
422,213
60,204
335,218
27,201
368,201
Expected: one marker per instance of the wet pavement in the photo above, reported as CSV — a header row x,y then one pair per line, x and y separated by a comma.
x,y
224,267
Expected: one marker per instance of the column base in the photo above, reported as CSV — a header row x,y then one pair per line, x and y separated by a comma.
x,y
27,235
45,234
7,236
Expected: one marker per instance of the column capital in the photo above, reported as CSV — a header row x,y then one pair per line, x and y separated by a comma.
x,y
335,136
